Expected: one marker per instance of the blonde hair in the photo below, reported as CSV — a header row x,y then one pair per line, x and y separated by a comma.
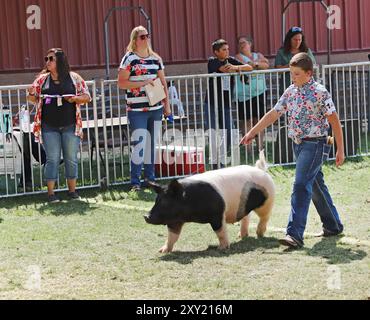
x,y
133,37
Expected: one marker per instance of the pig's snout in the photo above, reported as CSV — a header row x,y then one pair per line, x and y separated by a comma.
x,y
153,219
147,218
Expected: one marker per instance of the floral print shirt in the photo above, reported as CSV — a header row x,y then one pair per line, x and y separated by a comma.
x,y
81,89
307,108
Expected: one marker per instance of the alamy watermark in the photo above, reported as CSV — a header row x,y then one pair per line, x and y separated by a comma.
x,y
334,20
223,145
334,280
33,282
33,21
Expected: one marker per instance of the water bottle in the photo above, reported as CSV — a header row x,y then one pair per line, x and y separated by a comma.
x,y
24,119
169,118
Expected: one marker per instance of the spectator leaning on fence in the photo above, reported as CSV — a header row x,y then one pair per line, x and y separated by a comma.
x,y
58,94
294,42
139,67
221,63
310,109
251,89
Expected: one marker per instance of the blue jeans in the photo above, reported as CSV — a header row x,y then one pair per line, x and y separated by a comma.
x,y
225,126
145,129
309,185
56,140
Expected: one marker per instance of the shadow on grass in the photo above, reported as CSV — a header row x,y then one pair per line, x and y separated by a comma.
x,y
113,193
123,192
146,195
328,248
67,208
242,246
39,203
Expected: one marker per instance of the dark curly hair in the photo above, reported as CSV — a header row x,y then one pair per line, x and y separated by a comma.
x,y
63,67
287,41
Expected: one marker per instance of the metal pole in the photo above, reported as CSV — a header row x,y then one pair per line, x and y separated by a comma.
x,y
329,30
368,97
149,22
106,42
96,133
284,20
283,31
106,32
329,46
106,45
313,1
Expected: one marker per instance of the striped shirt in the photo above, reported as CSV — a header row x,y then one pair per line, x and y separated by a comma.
x,y
141,69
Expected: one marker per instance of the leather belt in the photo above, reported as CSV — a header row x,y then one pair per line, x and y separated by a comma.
x,y
315,138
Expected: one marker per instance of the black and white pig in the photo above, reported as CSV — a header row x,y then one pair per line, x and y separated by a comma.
x,y
215,197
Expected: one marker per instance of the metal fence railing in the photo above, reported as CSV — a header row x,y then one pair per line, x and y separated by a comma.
x,y
350,87
198,139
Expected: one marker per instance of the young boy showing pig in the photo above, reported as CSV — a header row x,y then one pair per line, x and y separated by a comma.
x,y
310,110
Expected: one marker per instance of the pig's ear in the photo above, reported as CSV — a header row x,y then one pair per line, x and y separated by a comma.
x,y
175,188
156,187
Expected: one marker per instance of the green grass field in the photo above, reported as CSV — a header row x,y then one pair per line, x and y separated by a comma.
x,y
101,248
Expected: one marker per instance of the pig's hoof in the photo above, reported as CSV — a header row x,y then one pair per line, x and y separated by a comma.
x,y
243,235
224,246
165,249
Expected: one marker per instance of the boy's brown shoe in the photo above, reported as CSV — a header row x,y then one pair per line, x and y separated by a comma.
x,y
326,233
290,242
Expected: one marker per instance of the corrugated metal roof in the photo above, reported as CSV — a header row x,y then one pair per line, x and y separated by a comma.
x,y
182,30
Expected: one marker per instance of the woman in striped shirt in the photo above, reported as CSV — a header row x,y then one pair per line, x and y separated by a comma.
x,y
139,67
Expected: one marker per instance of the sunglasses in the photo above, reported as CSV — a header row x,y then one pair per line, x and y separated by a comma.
x,y
144,36
296,29
49,58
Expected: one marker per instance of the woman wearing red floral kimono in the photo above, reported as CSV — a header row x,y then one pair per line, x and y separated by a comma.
x,y
139,67
58,94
